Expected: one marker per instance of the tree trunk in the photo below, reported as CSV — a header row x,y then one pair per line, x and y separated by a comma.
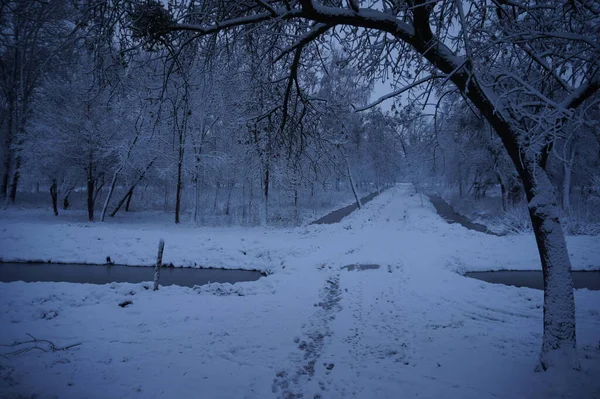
x,y
296,197
216,199
126,197
251,214
66,204
179,180
90,194
178,192
351,179
111,190
503,192
5,177
228,206
559,343
129,194
267,183
243,201
129,197
54,195
8,151
15,179
196,207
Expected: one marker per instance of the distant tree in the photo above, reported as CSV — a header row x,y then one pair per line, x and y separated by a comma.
x,y
78,125
34,34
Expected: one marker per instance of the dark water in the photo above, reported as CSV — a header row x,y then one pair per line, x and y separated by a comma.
x,y
534,279
93,274
338,215
449,214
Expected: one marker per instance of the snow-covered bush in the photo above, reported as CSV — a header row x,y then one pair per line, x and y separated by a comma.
x,y
516,220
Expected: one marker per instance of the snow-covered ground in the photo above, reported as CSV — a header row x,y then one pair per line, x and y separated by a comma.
x,y
412,328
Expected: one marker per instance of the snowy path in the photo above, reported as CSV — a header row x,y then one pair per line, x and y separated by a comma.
x,y
412,328
292,383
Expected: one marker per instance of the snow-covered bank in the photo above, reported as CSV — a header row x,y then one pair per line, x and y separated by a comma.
x,y
413,327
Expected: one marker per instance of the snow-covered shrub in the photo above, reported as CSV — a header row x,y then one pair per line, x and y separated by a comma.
x,y
516,220
576,226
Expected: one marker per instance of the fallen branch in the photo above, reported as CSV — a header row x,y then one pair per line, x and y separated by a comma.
x,y
50,346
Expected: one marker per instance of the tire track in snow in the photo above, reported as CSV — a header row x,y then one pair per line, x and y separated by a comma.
x,y
291,384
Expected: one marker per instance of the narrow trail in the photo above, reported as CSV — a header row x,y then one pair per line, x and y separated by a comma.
x,y
370,315
289,384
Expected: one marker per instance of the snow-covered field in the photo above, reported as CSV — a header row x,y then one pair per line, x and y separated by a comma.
x,y
412,328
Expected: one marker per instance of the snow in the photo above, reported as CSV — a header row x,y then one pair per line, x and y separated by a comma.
x,y
414,327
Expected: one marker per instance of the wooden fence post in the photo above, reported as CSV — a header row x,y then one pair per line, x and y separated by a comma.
x,y
161,247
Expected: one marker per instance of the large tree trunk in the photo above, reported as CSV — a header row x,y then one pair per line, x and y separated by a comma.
x,y
559,340
559,343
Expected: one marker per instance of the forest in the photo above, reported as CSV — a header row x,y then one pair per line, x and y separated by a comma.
x,y
220,130
275,112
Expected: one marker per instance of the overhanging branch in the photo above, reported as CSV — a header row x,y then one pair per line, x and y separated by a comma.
x,y
398,92
583,92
